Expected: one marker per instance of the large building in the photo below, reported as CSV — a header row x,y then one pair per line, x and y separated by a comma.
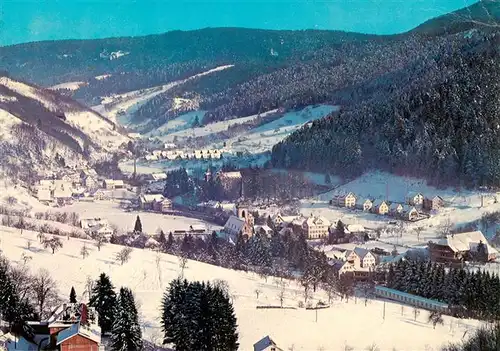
x,y
461,247
316,227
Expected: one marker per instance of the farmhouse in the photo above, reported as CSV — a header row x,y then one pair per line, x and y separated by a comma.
x,y
415,199
316,227
344,200
266,344
361,258
380,207
462,246
342,267
72,326
147,201
409,213
364,205
434,203
263,230
395,209
102,195
113,184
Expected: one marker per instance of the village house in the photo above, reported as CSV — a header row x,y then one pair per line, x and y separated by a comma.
x,y
434,203
395,209
147,201
365,205
158,176
72,326
414,198
111,184
380,207
168,146
344,200
409,213
460,247
282,221
163,206
96,226
361,258
316,227
102,195
266,344
342,267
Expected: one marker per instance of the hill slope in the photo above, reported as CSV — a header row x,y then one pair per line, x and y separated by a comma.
x,y
42,130
148,280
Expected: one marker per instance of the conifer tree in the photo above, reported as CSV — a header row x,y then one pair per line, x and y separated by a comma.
x,y
103,299
126,332
198,316
138,225
72,295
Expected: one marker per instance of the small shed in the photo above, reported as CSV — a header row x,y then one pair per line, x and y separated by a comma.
x,y
266,344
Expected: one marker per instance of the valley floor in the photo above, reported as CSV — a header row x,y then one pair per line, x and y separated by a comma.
x,y
343,324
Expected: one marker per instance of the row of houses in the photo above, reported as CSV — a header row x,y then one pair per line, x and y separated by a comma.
x,y
172,155
412,199
408,211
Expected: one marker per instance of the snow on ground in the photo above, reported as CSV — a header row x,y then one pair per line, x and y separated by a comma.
x,y
462,206
103,76
7,121
182,122
69,85
213,127
124,105
126,220
28,91
351,323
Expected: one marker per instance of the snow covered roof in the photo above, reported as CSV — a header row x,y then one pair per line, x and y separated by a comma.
x,y
466,242
147,198
44,194
264,343
318,221
411,296
355,228
159,176
231,174
77,329
151,243
234,224
412,194
266,228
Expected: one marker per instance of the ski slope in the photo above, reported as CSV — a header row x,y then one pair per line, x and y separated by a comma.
x,y
351,323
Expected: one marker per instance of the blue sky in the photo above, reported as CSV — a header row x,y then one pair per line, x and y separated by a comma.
x,y
34,20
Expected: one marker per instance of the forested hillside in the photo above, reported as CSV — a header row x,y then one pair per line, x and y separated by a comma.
x,y
439,120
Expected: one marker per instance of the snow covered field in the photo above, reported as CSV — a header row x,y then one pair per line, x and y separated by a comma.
x,y
343,324
126,220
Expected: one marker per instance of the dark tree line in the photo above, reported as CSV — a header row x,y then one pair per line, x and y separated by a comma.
x,y
178,183
472,294
198,316
436,119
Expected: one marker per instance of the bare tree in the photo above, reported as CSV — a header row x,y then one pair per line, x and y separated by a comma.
x,y
22,279
372,347
40,236
25,258
54,243
99,241
44,290
416,312
84,251
435,318
401,228
281,294
418,231
124,255
257,293
445,228
158,267
89,286
182,264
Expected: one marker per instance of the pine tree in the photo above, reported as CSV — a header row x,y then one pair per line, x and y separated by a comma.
x,y
126,332
72,295
103,299
138,225
198,316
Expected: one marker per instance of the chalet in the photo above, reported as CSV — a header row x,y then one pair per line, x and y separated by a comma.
x,y
380,207
344,200
266,344
102,195
414,198
90,182
460,247
282,221
361,258
316,227
342,267
365,205
147,201
434,203
395,209
409,213
164,206
62,192
72,326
